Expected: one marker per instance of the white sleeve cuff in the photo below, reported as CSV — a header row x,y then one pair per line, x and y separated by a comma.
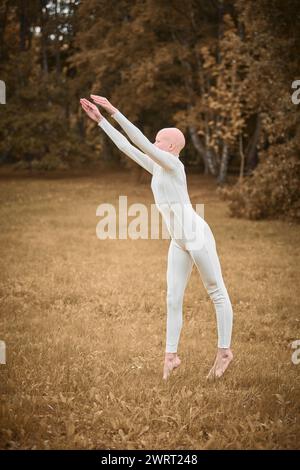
x,y
102,122
116,113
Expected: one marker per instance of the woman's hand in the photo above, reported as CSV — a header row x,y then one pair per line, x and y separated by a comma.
x,y
91,110
104,103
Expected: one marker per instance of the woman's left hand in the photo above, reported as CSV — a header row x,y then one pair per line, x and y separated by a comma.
x,y
91,110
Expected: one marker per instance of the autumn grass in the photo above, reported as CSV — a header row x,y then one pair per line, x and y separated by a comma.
x,y
84,325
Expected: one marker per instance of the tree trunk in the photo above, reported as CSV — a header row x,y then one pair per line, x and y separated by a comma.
x,y
197,143
57,45
81,126
67,112
251,151
44,38
23,25
220,28
224,165
242,155
3,19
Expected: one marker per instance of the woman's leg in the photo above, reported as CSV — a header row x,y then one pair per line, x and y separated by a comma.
x,y
208,265
180,266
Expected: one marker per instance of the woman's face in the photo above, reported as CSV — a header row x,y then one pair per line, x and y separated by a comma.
x,y
162,141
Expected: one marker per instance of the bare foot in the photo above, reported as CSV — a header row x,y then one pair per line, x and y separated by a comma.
x,y
171,362
222,361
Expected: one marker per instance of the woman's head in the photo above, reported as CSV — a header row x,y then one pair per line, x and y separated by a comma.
x,y
170,139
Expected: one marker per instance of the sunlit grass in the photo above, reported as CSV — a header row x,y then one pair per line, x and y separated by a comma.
x,y
84,325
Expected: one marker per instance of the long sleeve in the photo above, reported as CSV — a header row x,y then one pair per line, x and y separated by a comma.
x,y
125,146
161,157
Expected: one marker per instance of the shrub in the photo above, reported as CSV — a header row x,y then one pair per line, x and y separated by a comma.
x,y
272,190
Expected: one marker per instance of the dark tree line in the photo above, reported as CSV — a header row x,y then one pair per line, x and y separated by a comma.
x,y
221,71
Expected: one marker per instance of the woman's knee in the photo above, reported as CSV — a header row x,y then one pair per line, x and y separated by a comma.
x,y
217,292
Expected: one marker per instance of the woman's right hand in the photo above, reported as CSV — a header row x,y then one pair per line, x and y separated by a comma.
x,y
104,103
91,110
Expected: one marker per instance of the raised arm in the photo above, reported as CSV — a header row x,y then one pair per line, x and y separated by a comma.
x,y
125,146
161,157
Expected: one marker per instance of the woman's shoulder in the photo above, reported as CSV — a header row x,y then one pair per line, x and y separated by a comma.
x,y
178,167
178,163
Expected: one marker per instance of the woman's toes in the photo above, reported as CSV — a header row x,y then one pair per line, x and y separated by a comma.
x,y
169,365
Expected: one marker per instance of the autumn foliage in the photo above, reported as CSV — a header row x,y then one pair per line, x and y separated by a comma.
x,y
221,71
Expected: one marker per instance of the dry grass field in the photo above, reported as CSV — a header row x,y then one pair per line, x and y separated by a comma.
x,y
84,323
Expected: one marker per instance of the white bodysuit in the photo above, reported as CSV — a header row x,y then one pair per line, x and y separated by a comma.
x,y
192,241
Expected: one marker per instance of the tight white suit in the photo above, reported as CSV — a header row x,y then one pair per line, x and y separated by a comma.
x,y
192,241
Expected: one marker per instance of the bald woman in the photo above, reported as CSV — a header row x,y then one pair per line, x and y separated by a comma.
x,y
192,241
